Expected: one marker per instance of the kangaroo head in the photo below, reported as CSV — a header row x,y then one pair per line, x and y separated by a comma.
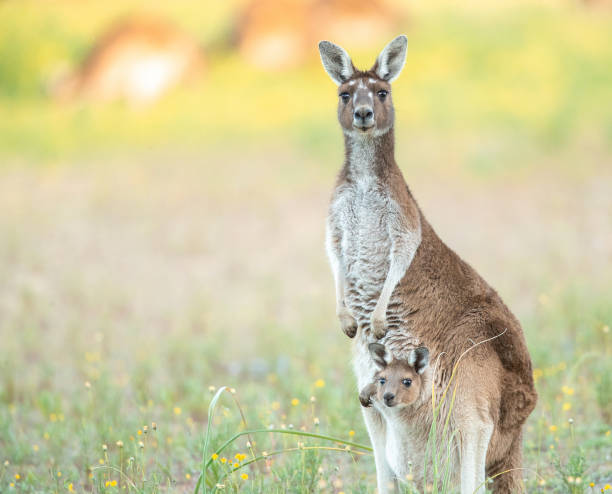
x,y
365,106
399,381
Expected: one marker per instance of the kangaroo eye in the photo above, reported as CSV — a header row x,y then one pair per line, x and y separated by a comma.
x,y
382,94
345,97
407,382
382,380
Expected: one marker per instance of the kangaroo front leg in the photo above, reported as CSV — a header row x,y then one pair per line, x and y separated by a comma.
x,y
332,244
404,246
385,478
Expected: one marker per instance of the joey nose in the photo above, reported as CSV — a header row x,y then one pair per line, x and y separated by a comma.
x,y
388,397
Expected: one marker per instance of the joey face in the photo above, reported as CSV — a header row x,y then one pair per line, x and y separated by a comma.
x,y
399,381
398,384
364,106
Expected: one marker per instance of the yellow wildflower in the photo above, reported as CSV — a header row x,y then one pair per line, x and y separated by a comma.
x,y
187,476
567,406
35,447
215,456
177,410
223,460
295,402
59,474
351,433
319,383
244,476
17,476
552,428
70,487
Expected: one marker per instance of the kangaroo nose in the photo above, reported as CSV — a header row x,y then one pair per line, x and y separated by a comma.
x,y
363,113
388,397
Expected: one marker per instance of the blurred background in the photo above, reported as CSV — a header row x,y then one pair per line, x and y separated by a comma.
x,y
165,170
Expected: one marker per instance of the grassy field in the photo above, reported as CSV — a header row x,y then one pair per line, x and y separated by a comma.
x,y
148,258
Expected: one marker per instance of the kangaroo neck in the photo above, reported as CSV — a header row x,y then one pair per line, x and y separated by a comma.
x,y
369,156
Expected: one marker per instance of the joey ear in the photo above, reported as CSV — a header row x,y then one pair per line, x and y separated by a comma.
x,y
419,359
379,354
336,62
391,60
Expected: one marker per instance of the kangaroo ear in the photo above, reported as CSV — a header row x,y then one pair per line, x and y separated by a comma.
x,y
391,60
336,62
419,359
379,354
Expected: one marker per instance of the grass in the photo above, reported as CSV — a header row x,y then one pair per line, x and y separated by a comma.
x,y
129,300
150,258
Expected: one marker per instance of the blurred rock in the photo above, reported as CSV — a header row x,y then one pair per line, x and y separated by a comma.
x,y
138,60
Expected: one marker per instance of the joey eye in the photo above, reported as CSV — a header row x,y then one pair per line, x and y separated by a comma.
x,y
382,380
382,94
407,382
345,97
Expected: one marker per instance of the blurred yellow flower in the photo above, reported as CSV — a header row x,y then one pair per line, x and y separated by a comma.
x,y
351,433
177,410
275,405
215,456
17,476
35,447
552,428
46,436
70,487
319,383
244,476
567,406
295,402
53,417
59,474
187,476
567,390
140,432
223,460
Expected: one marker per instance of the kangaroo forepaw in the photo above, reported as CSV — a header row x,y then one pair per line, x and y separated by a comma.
x,y
365,401
348,323
365,396
378,326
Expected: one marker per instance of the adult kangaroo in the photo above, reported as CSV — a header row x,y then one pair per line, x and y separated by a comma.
x,y
394,275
